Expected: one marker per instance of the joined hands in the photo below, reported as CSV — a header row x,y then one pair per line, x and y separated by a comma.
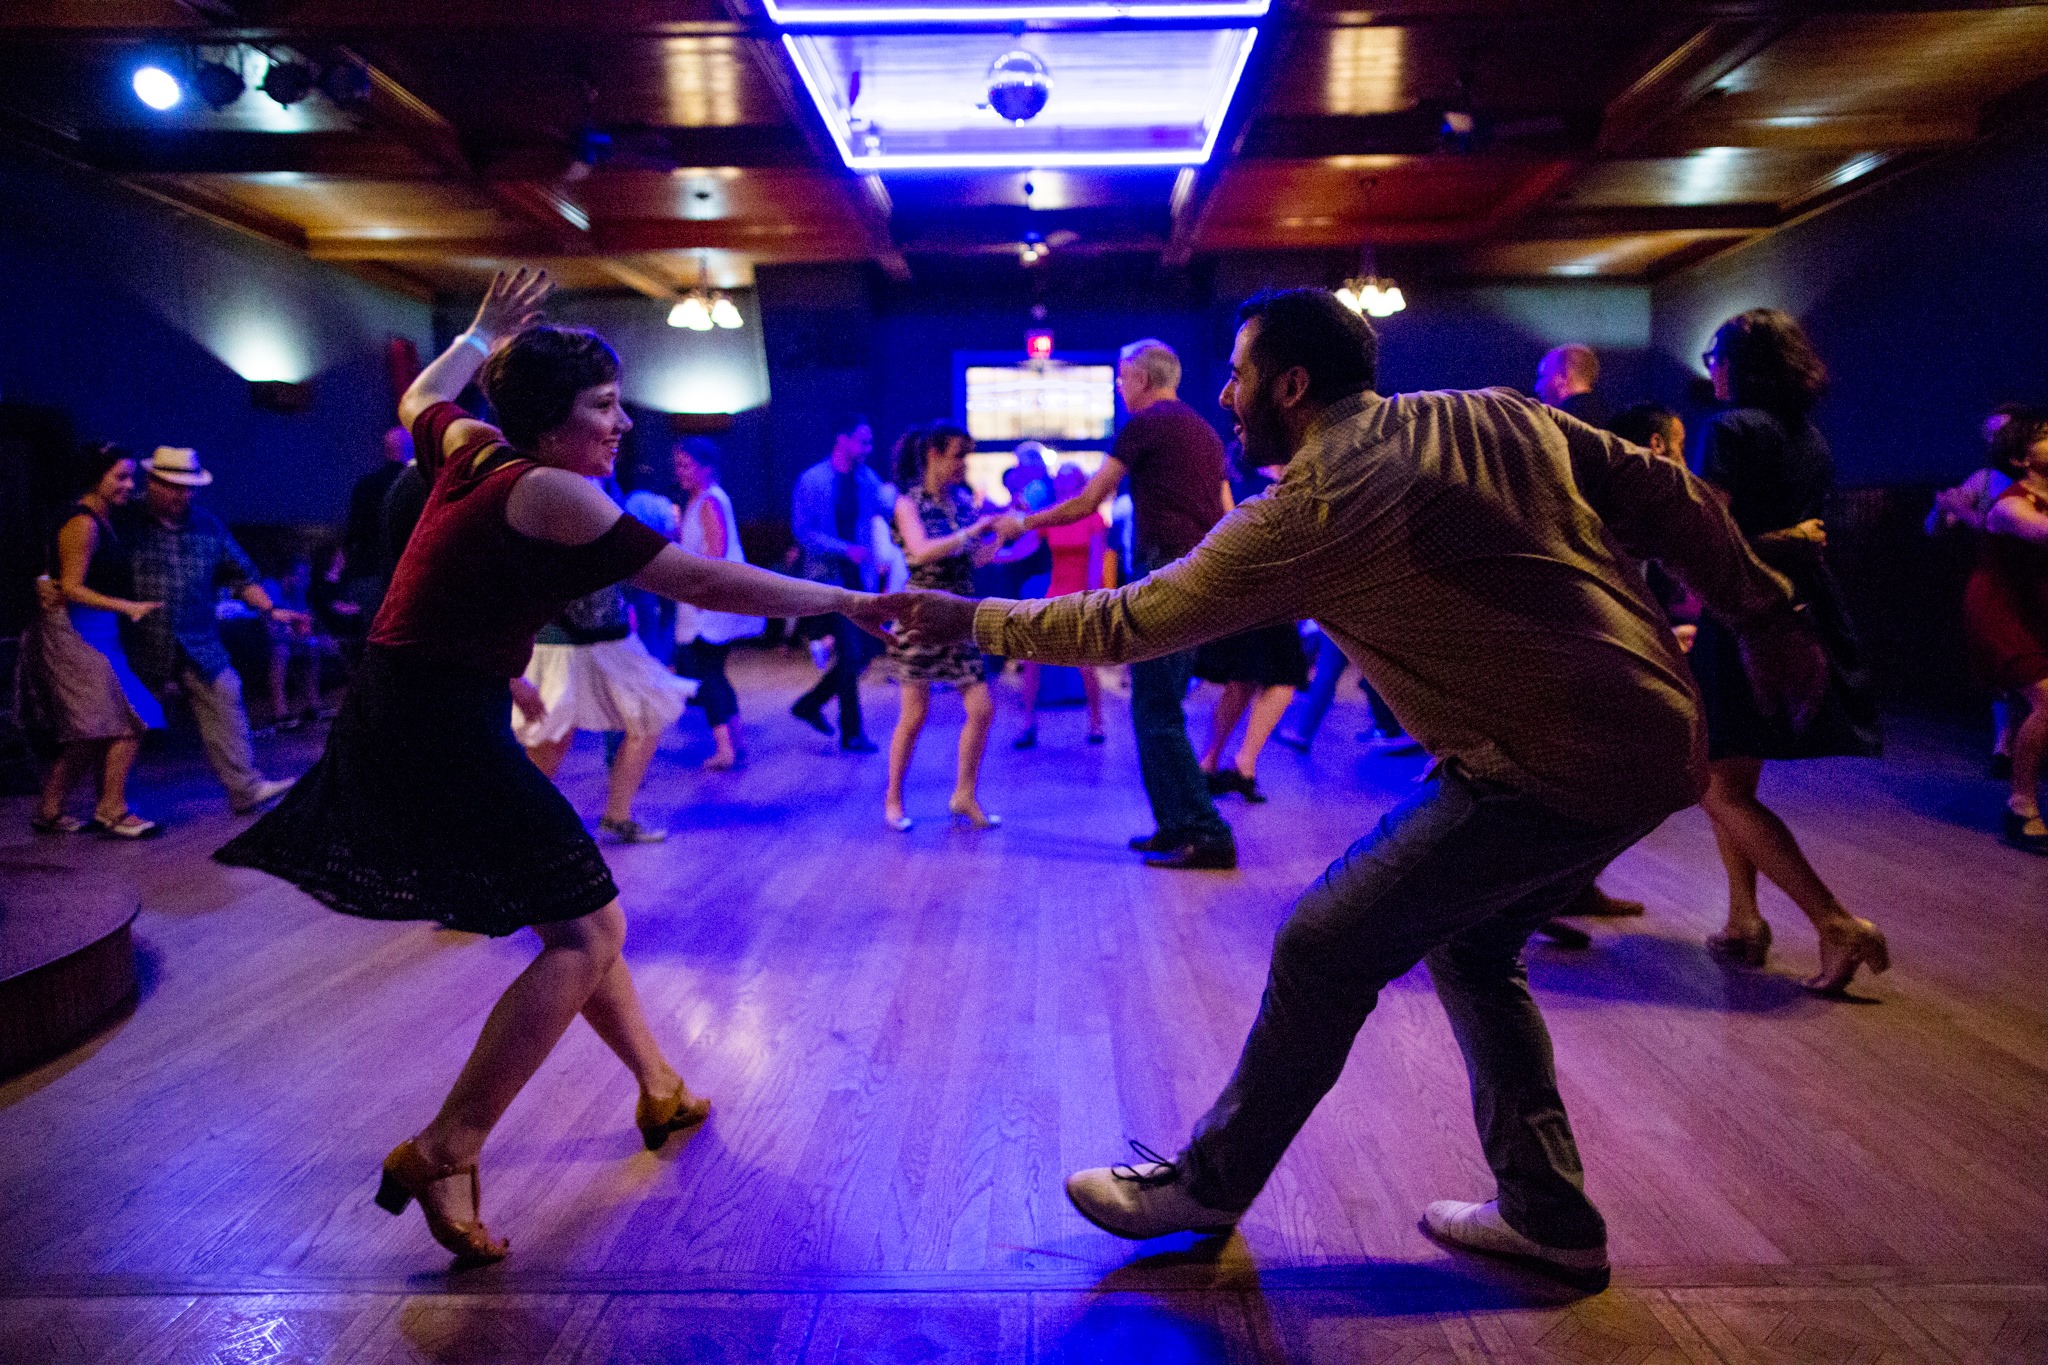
x,y
919,616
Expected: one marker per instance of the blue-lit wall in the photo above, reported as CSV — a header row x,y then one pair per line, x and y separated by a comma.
x,y
1927,296
145,325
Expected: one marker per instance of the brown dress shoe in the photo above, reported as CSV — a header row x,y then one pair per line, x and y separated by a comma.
x,y
1216,856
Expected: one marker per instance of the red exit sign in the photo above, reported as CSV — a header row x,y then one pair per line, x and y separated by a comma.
x,y
1038,345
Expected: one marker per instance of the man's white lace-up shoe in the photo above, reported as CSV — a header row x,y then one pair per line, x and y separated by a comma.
x,y
1480,1228
1143,1201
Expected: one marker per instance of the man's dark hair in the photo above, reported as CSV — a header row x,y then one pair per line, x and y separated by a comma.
x,y
1638,424
1309,328
846,423
2023,427
533,379
1771,362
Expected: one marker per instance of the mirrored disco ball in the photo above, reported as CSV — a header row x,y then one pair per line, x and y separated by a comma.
x,y
1018,85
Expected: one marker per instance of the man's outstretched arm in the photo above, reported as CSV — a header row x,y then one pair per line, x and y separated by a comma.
x,y
1244,573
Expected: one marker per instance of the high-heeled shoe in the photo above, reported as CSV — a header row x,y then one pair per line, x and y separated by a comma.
x,y
2016,834
409,1176
1843,951
900,823
972,815
1747,950
658,1116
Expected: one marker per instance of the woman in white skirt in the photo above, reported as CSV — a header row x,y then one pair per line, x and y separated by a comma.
x,y
74,670
590,672
705,637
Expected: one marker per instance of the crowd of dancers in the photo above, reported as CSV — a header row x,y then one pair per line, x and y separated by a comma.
x,y
1584,635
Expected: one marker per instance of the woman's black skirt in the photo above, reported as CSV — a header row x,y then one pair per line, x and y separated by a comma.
x,y
1848,724
1270,656
425,807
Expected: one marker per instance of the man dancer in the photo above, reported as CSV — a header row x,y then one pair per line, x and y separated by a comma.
x,y
181,552
1565,378
833,514
1175,463
1466,550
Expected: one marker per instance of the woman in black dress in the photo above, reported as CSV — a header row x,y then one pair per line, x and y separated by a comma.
x,y
942,541
1260,669
423,805
1767,458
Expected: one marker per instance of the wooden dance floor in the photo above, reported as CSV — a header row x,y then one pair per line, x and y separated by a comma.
x,y
911,1039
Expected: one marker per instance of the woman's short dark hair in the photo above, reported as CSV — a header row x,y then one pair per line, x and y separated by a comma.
x,y
1638,424
533,379
94,462
1309,328
908,459
2023,427
1771,363
915,446
703,450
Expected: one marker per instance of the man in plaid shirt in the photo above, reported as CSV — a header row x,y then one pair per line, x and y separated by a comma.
x,y
181,555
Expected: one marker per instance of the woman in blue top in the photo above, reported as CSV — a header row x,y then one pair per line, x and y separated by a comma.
x,y
99,706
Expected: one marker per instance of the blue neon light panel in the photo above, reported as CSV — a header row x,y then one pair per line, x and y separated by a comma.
x,y
1118,97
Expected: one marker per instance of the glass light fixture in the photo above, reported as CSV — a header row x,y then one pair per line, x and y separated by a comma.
x,y
157,88
691,312
724,313
1372,296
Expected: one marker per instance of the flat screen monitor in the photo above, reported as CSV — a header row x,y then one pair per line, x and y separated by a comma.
x,y
1040,401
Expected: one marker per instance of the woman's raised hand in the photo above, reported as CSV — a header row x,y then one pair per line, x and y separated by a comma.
x,y
511,304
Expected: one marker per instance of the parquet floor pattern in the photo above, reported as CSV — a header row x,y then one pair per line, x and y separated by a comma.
x,y
912,1038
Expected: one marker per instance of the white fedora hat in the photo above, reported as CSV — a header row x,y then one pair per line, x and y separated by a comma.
x,y
177,464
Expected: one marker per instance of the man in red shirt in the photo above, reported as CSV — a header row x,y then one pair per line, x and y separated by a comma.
x,y
1174,461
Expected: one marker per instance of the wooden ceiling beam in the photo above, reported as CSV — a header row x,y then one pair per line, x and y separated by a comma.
x,y
627,237
1687,72
1619,222
345,20
870,198
636,279
1843,133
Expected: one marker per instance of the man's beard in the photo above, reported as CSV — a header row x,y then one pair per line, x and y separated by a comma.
x,y
1265,435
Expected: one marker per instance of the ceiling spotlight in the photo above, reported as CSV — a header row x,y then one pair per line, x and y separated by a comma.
x,y
219,83
157,88
289,81
346,84
724,313
692,312
1018,85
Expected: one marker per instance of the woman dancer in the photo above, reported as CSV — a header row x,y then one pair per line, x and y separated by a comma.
x,y
424,806
2006,609
1260,671
709,528
100,707
1077,552
1774,468
589,671
935,524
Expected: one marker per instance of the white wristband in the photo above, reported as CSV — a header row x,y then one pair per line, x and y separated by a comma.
x,y
472,339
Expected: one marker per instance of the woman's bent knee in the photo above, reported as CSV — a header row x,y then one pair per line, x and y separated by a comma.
x,y
599,935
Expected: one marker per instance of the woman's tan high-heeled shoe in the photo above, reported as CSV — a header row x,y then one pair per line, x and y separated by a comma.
x,y
409,1176
1749,950
657,1116
1843,951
